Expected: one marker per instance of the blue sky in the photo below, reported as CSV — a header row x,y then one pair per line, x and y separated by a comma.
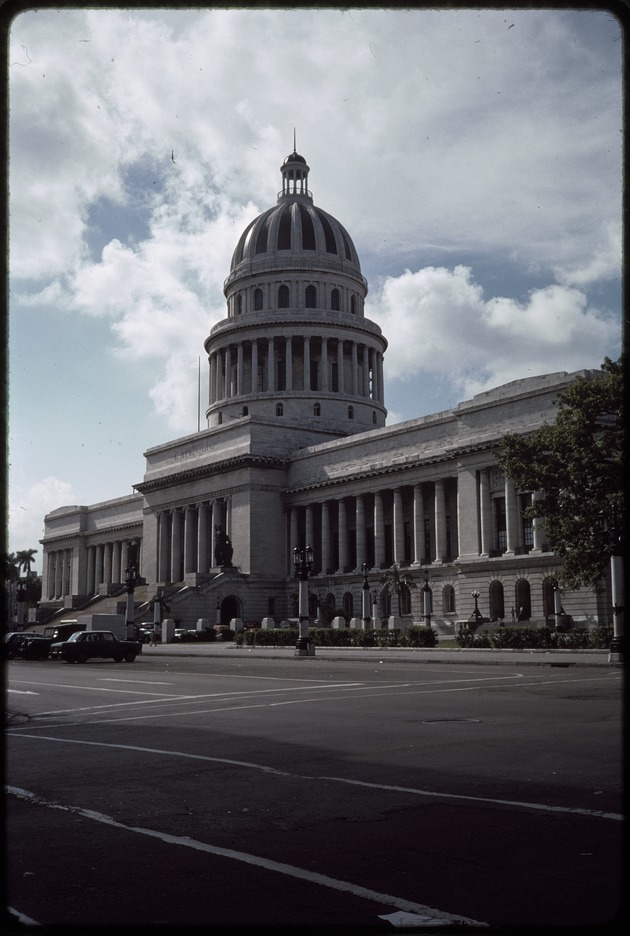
x,y
473,155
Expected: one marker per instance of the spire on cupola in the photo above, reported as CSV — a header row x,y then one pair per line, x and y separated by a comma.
x,y
294,176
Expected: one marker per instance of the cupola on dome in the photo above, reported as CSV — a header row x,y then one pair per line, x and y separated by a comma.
x,y
295,231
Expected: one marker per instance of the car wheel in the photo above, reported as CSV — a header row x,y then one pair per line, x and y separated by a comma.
x,y
81,658
118,658
130,656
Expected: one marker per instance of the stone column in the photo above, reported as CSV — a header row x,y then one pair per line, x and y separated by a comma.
x,y
485,509
366,372
203,539
511,518
324,366
107,564
91,564
228,372
255,365
399,530
538,526
355,370
176,546
116,576
164,547
98,570
342,534
309,528
239,368
307,362
340,373
375,378
293,532
271,363
219,375
288,362
360,523
325,537
211,378
190,538
379,531
419,539
440,522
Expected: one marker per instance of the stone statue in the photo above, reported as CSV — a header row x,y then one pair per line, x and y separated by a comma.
x,y
223,549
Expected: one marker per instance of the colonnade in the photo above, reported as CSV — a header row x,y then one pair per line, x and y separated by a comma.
x,y
104,564
300,362
415,523
187,538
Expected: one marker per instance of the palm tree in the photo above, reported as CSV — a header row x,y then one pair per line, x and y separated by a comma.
x,y
395,582
24,559
10,566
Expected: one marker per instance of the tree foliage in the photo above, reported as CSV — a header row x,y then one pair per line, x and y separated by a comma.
x,y
395,582
576,466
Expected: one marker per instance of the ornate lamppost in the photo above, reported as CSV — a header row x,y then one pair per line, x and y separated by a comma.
x,y
131,579
365,599
302,564
557,605
476,613
427,595
613,533
375,608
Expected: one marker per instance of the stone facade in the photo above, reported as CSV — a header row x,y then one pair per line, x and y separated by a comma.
x,y
296,452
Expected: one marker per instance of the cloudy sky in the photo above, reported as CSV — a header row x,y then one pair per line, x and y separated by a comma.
x,y
473,155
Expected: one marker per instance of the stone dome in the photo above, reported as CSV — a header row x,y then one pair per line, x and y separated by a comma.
x,y
295,232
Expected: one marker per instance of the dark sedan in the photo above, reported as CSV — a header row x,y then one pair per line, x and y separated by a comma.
x,y
95,645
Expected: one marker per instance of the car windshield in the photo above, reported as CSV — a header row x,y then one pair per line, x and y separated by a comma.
x,y
75,636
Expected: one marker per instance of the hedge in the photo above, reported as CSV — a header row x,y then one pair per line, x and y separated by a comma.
x,y
524,638
340,637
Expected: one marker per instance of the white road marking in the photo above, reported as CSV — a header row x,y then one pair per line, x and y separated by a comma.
x,y
137,682
23,691
312,877
593,813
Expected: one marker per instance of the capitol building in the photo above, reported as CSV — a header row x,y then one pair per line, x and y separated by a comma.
x,y
296,452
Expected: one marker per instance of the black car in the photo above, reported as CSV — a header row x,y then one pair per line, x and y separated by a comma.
x,y
95,645
25,645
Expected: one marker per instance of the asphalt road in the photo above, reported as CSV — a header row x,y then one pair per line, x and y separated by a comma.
x,y
319,793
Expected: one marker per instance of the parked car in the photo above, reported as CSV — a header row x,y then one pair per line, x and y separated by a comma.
x,y
25,645
95,645
11,643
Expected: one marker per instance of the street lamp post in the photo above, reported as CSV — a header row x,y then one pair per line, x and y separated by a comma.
x,y
302,564
476,612
375,609
365,599
426,599
613,533
557,605
131,578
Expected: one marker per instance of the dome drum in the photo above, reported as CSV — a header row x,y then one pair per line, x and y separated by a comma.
x,y
296,343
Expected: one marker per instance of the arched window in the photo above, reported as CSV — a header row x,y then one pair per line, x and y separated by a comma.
x,y
496,600
283,297
310,297
334,300
353,305
279,409
523,604
239,304
220,418
245,411
348,605
258,300
374,417
448,599
548,588
386,604
317,410
405,600
351,412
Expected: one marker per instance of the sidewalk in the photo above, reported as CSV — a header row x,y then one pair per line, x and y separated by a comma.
x,y
388,654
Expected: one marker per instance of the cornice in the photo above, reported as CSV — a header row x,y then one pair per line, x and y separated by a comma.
x,y
204,471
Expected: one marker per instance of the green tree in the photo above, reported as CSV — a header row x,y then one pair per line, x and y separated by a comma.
x,y
24,560
576,466
395,582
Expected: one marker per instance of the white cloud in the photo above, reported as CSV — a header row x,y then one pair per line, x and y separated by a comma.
x,y
27,508
439,322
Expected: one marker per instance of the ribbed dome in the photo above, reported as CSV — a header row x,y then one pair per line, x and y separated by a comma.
x,y
292,227
295,231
